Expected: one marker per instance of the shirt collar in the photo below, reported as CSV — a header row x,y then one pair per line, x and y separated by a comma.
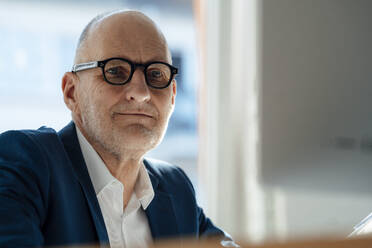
x,y
101,176
143,188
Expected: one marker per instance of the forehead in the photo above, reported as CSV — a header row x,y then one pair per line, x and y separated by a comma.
x,y
134,37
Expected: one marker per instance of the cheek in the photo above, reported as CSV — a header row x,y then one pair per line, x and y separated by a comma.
x,y
165,107
92,101
162,97
82,102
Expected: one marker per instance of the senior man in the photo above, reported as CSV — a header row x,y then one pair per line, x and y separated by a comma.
x,y
89,183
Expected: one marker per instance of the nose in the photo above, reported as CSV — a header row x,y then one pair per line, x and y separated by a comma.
x,y
137,89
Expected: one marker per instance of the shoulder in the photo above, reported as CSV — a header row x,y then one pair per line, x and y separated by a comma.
x,y
24,137
162,169
25,146
169,175
24,181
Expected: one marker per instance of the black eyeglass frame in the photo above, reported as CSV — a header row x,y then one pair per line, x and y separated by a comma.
x,y
102,63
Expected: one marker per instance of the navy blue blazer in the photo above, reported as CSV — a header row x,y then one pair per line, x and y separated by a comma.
x,y
47,197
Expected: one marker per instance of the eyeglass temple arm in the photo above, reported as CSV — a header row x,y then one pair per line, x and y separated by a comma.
x,y
84,66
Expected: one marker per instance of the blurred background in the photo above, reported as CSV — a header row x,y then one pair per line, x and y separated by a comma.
x,y
38,40
272,120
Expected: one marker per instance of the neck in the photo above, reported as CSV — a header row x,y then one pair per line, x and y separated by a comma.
x,y
124,166
126,171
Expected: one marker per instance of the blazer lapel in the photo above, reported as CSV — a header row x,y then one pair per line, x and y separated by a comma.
x,y
72,146
161,213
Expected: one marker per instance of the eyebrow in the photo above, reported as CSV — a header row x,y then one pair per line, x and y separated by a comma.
x,y
164,59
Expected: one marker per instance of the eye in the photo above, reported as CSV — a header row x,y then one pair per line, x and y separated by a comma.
x,y
117,71
114,70
117,74
155,74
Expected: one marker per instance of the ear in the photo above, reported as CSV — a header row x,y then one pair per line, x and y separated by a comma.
x,y
174,91
69,82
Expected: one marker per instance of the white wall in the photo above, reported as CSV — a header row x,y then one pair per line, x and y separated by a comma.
x,y
316,119
306,135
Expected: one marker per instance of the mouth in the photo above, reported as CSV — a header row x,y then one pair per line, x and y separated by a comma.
x,y
136,114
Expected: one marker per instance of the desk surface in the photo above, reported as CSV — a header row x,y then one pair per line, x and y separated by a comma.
x,y
361,242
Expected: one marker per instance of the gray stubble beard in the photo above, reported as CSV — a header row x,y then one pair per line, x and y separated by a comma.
x,y
108,138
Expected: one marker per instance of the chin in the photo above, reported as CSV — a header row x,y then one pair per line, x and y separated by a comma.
x,y
139,137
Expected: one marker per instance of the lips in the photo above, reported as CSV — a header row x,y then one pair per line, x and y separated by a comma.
x,y
138,114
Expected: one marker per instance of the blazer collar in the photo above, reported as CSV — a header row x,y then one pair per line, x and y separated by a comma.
x,y
161,212
72,147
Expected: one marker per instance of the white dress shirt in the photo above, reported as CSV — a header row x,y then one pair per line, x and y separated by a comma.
x,y
127,227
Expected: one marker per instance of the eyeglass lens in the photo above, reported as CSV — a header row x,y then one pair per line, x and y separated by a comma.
x,y
118,72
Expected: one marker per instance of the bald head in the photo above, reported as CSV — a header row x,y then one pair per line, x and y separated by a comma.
x,y
121,28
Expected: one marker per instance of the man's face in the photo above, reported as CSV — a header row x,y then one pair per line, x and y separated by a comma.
x,y
133,116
